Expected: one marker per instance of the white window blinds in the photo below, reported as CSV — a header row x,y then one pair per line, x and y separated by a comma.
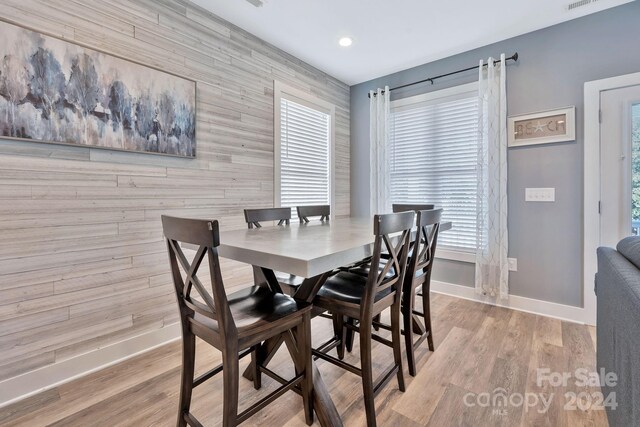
x,y
434,150
305,155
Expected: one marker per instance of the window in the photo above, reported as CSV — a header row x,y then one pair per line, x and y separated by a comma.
x,y
303,149
433,154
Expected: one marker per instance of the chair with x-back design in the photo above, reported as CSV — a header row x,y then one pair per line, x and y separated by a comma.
x,y
418,276
358,297
304,212
235,324
253,217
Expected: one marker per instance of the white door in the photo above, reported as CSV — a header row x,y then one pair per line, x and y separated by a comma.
x,y
619,164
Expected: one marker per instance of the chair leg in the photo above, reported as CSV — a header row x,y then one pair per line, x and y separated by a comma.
x,y
376,318
304,346
186,382
426,310
396,338
230,373
340,332
367,372
407,321
257,375
349,335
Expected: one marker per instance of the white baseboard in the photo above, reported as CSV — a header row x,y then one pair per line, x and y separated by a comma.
x,y
47,377
529,305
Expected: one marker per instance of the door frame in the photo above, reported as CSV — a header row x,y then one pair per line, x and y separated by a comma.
x,y
591,207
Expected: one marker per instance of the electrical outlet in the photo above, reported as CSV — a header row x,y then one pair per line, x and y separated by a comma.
x,y
539,194
513,264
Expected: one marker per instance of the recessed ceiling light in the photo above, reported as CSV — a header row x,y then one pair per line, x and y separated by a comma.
x,y
345,41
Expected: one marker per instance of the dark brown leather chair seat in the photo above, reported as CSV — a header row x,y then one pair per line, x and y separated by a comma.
x,y
348,287
254,306
363,270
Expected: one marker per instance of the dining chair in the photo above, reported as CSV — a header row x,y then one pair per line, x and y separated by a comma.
x,y
418,275
253,217
361,267
304,212
235,324
358,297
405,207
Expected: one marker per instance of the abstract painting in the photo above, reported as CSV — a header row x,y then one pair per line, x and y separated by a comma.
x,y
58,92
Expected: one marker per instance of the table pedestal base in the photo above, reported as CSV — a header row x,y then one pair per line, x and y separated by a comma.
x,y
323,406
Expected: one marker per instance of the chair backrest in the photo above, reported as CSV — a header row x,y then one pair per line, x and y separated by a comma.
x,y
392,236
206,236
420,262
253,217
304,212
405,207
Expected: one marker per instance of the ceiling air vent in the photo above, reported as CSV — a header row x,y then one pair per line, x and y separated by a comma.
x,y
580,3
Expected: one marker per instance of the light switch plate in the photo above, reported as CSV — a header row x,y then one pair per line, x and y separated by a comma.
x,y
540,194
513,264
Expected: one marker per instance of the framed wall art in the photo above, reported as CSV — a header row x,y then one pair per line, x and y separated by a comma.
x,y
544,127
58,92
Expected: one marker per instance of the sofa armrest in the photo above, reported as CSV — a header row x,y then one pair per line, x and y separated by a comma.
x,y
618,333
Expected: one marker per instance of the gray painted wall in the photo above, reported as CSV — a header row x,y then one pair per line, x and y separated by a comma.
x,y
546,238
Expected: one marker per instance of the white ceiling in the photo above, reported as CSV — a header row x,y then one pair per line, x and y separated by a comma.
x,y
391,35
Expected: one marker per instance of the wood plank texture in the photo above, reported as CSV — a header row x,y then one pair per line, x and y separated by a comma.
x,y
83,263
143,391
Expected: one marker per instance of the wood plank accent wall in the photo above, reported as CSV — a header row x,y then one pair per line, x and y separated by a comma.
x,y
83,263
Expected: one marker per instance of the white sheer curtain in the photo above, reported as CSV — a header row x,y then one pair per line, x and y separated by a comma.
x,y
379,107
492,268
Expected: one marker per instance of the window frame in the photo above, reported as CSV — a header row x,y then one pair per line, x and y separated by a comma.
x,y
432,98
280,91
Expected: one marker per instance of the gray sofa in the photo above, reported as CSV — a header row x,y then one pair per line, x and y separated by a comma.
x,y
618,327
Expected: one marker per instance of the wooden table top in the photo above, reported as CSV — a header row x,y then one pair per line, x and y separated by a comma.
x,y
304,250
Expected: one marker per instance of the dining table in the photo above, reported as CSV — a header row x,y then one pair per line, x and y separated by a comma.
x,y
311,251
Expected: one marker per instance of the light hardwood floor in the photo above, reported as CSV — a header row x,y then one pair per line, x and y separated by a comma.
x,y
478,348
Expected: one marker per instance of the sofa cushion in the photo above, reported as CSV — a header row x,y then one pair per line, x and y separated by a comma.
x,y
629,247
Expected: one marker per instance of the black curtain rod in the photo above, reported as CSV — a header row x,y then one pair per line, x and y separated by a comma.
x,y
513,57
